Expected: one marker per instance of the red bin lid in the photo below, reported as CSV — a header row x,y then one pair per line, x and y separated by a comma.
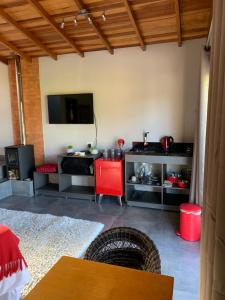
x,y
190,208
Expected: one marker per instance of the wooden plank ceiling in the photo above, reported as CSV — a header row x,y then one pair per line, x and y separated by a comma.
x,y
31,28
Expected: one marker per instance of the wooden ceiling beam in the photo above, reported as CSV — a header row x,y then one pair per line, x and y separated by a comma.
x,y
101,37
134,24
27,33
178,21
3,60
96,28
36,5
10,46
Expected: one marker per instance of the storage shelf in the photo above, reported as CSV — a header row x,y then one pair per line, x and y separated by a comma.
x,y
50,187
80,192
146,205
145,196
68,174
177,188
80,189
155,196
175,199
144,184
46,173
64,186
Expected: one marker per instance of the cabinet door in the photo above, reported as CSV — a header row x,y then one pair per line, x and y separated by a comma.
x,y
109,177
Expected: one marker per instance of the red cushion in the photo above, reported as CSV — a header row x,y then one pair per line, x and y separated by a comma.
x,y
47,168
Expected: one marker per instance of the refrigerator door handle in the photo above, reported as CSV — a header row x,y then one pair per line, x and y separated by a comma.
x,y
100,171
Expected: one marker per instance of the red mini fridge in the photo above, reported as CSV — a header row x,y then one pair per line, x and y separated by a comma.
x,y
109,177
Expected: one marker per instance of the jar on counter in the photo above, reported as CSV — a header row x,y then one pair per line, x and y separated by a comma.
x,y
105,153
112,153
118,153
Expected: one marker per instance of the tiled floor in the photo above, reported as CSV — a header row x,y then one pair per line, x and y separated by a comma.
x,y
179,258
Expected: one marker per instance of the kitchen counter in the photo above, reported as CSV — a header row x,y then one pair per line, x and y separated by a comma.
x,y
158,196
153,153
159,158
155,149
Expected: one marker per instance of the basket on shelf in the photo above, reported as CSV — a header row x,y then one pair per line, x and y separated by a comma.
x,y
126,247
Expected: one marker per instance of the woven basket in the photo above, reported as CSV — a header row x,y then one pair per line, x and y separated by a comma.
x,y
127,247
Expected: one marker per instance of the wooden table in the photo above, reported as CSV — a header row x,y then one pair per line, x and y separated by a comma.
x,y
79,279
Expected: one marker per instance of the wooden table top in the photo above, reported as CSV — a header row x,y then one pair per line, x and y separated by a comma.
x,y
79,279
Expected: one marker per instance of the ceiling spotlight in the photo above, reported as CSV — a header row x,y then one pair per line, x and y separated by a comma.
x,y
62,25
103,17
89,20
75,22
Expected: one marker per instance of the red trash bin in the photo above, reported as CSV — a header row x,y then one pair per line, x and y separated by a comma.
x,y
190,222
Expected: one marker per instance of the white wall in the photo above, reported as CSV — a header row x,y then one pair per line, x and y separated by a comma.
x,y
134,91
6,135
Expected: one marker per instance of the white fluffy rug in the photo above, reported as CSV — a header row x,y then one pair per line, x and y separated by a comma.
x,y
45,238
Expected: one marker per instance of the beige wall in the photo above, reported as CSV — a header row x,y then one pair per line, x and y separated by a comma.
x,y
134,91
6,137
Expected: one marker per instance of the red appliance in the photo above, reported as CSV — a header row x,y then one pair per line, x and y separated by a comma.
x,y
109,177
120,142
166,142
190,222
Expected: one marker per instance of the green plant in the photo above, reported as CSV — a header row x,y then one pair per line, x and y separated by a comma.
x,y
69,147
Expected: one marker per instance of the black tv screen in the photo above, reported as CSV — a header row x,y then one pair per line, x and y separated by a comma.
x,y
71,109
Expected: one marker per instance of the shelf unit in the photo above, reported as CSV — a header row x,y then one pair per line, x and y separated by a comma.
x,y
43,184
64,186
5,184
155,196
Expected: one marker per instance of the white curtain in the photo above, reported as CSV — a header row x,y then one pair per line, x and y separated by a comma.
x,y
196,194
212,279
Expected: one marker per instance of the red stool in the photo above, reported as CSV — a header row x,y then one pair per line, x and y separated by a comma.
x,y
190,222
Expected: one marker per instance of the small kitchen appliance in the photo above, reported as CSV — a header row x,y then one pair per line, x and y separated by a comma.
x,y
167,142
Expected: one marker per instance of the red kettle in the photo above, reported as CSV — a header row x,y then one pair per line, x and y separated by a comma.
x,y
167,142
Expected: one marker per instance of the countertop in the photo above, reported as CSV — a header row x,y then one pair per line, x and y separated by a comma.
x,y
152,153
155,149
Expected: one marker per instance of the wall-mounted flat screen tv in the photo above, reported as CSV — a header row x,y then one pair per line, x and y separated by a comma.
x,y
71,109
